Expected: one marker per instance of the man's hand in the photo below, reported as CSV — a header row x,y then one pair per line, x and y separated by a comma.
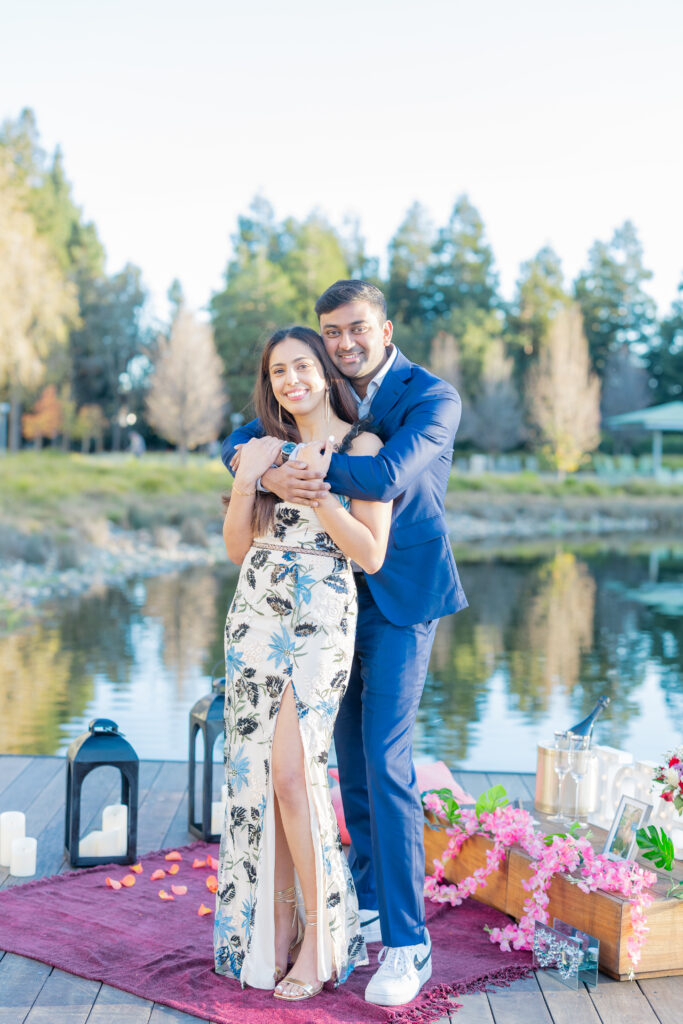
x,y
296,483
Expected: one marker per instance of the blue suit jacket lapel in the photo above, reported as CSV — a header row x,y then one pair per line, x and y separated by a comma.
x,y
391,388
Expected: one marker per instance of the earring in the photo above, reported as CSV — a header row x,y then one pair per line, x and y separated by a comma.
x,y
327,404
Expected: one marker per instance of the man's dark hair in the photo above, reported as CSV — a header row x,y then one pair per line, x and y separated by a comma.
x,y
342,292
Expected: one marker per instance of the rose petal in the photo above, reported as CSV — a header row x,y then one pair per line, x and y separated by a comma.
x,y
159,873
211,862
137,868
212,883
178,890
174,869
198,863
112,883
203,910
163,895
174,855
128,880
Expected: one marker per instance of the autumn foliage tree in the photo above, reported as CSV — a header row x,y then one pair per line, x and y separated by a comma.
x,y
563,394
47,417
186,400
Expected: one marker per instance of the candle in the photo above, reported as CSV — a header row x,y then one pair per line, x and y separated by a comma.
x,y
23,857
115,820
12,826
677,840
217,816
112,842
89,845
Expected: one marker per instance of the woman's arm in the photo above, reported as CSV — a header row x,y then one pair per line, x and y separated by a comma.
x,y
238,531
362,532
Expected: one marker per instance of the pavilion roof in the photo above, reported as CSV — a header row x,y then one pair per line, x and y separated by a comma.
x,y
656,417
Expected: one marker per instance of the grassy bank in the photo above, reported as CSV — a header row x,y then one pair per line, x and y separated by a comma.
x,y
572,486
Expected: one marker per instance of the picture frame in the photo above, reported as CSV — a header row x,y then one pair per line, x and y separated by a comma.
x,y
631,814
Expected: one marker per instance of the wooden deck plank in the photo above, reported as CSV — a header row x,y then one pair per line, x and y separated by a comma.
x,y
566,1006
21,980
475,783
114,1006
167,1015
10,767
64,999
515,785
622,1002
521,1002
161,804
474,1009
665,996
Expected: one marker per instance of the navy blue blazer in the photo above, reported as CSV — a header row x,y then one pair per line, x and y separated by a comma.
x,y
416,415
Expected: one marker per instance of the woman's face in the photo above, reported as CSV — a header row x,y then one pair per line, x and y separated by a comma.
x,y
296,377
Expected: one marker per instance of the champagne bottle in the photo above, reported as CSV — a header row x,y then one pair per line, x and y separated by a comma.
x,y
585,726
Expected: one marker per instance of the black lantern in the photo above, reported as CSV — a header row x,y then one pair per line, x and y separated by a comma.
x,y
206,717
102,746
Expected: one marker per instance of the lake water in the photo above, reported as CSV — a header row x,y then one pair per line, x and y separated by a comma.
x,y
549,629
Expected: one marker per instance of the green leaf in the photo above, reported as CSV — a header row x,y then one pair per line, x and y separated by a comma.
x,y
451,808
655,845
490,800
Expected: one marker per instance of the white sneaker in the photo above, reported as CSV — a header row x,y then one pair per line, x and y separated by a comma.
x,y
370,926
403,972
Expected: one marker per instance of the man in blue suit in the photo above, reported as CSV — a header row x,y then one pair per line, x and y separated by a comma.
x,y
416,415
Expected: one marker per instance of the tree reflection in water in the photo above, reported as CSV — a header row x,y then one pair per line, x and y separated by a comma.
x,y
547,632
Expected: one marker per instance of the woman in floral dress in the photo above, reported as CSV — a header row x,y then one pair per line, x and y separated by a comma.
x,y
289,641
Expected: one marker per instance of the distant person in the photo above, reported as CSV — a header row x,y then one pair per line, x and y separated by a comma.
x,y
416,415
137,444
289,640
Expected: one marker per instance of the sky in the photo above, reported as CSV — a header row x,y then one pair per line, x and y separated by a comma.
x,y
558,120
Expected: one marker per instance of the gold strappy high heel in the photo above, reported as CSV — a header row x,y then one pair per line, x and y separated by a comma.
x,y
306,989
289,896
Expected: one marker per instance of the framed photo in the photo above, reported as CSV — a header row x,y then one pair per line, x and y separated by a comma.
x,y
631,815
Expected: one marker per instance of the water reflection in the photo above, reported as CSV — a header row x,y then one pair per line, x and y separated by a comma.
x,y
546,633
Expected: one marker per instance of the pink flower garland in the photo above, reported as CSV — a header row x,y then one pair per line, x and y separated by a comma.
x,y
509,826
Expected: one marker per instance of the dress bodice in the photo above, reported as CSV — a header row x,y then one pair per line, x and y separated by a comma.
x,y
298,526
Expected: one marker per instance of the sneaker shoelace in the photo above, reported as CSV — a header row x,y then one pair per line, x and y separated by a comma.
x,y
396,959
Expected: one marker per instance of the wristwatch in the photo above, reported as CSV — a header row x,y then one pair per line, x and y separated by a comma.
x,y
287,448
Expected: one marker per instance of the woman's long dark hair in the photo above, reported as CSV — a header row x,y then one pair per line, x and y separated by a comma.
x,y
277,422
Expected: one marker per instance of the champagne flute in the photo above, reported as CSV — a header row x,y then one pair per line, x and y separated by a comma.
x,y
562,765
579,747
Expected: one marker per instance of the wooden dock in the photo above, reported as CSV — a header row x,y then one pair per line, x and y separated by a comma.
x,y
34,993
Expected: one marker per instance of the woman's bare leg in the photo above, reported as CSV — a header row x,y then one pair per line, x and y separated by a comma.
x,y
289,782
285,926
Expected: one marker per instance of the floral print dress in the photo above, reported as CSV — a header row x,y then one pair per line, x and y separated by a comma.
x,y
291,623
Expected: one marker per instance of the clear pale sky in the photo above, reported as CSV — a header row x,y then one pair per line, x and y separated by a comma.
x,y
559,120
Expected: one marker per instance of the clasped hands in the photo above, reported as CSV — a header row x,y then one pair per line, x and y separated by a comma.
x,y
300,481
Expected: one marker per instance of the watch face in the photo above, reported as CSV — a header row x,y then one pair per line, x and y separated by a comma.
x,y
287,449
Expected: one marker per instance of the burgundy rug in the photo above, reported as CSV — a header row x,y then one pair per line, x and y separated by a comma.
x,y
161,949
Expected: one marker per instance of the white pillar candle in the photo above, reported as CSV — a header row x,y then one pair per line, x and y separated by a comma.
x,y
23,857
112,842
115,817
12,826
89,845
677,840
217,816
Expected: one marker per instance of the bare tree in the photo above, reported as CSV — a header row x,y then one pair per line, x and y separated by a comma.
x,y
186,399
496,416
563,394
445,362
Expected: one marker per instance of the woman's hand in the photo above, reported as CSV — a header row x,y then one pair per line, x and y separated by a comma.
x,y
316,455
255,457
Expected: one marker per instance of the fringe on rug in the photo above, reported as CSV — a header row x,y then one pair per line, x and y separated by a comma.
x,y
439,1001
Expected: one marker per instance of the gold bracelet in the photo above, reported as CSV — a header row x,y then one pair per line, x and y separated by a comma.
x,y
245,494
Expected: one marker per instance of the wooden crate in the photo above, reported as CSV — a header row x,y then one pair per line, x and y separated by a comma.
x,y
607,916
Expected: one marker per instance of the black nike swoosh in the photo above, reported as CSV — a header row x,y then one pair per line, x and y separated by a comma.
x,y
419,964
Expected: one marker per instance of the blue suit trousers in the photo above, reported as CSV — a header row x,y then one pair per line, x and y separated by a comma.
x,y
379,788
